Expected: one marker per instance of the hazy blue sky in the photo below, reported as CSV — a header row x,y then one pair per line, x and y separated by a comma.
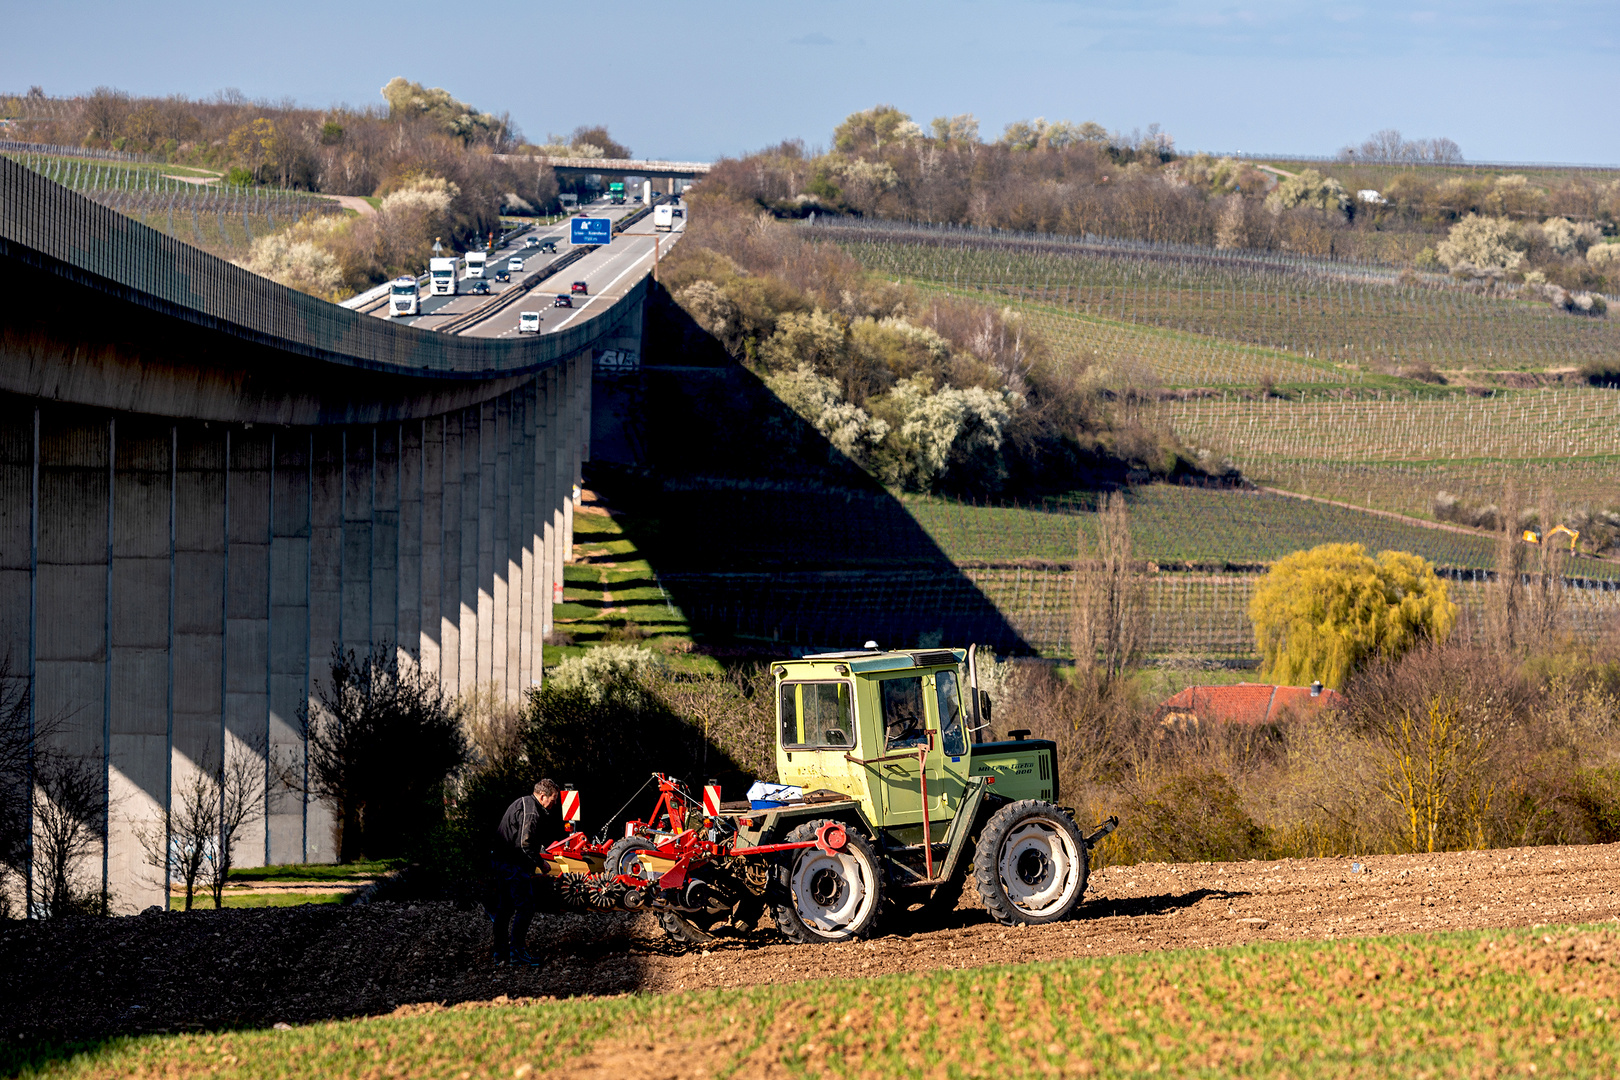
x,y
1506,80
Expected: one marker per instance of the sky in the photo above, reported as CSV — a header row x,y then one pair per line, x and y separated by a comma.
x,y
1508,81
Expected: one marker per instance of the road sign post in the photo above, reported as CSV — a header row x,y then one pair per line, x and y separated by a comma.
x,y
584,230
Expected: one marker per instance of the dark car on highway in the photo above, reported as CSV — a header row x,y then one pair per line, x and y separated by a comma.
x,y
581,288
548,245
502,275
480,288
563,300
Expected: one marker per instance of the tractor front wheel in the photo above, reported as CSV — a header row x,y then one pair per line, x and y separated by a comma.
x,y
1031,863
820,897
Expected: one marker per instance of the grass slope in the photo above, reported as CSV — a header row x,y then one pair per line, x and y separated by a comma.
x,y
1485,1003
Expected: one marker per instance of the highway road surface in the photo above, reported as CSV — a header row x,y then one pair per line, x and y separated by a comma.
x,y
608,272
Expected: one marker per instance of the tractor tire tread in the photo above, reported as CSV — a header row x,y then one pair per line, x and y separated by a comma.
x,y
782,910
986,860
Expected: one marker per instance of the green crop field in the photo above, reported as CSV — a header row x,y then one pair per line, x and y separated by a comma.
x,y
1513,425
1359,318
218,219
1192,525
1467,1004
1206,615
1293,369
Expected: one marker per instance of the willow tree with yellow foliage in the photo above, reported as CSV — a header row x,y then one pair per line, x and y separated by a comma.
x,y
1320,614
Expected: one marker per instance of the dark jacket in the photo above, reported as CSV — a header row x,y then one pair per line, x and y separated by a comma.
x,y
525,830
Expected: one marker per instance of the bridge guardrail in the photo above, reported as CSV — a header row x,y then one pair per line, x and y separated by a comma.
x,y
48,225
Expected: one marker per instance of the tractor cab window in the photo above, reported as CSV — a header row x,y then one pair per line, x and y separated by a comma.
x,y
950,714
904,723
817,714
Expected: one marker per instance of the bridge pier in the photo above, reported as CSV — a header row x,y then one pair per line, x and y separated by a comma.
x,y
175,589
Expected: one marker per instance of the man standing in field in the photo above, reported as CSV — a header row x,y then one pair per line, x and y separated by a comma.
x,y
528,825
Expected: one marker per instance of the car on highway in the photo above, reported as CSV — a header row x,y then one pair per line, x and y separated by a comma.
x,y
531,241
677,211
581,288
549,246
480,288
563,300
502,275
514,265
528,322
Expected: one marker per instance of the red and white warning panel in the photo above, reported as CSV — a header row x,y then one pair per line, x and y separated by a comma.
x,y
570,806
711,800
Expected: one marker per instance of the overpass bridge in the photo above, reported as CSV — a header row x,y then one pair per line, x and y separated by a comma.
x,y
209,481
650,168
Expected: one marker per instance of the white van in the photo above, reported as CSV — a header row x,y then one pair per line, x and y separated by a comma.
x,y
528,322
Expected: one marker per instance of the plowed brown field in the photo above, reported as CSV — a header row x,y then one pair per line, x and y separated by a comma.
x,y
253,968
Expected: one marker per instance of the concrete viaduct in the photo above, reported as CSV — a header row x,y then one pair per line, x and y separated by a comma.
x,y
208,481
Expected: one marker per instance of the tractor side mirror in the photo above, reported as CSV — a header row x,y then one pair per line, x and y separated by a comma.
x,y
984,705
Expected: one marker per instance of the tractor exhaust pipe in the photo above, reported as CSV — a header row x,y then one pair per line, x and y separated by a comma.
x,y
980,699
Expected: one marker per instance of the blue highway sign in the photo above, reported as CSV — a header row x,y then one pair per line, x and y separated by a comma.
x,y
586,230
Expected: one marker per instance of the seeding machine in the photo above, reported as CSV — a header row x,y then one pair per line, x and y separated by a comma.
x,y
893,803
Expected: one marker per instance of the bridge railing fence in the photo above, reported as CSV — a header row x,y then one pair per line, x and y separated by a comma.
x,y
68,233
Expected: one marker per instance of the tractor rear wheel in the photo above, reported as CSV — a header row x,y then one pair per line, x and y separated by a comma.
x,y
1031,863
620,857
822,897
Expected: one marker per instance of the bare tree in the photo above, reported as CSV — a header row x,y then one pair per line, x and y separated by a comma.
x,y
69,814
16,779
197,839
1108,597
179,846
1505,600
1546,594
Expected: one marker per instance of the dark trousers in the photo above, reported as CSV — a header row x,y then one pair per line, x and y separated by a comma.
x,y
513,904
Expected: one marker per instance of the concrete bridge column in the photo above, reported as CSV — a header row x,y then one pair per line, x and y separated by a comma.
x,y
526,468
246,729
293,660
142,575
326,608
550,486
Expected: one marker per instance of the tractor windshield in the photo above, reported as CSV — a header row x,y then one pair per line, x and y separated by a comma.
x,y
816,714
950,713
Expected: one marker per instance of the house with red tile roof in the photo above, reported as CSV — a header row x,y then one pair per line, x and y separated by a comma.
x,y
1251,704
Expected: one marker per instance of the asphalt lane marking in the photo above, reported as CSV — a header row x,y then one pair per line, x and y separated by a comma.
x,y
639,260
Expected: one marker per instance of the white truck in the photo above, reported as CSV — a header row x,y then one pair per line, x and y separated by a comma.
x,y
404,298
442,277
663,217
475,263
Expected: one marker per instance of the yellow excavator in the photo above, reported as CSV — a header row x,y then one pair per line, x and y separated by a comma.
x,y
1533,537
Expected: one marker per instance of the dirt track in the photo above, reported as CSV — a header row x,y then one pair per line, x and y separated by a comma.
x,y
251,968
1156,906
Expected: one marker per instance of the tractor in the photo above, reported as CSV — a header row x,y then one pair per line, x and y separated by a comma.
x,y
894,805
